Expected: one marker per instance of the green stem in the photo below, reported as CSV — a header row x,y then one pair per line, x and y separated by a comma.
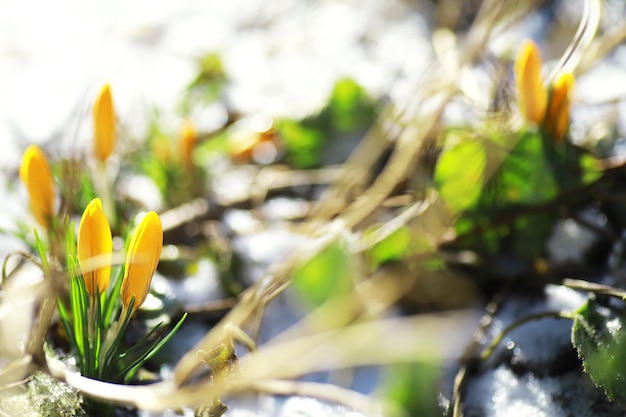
x,y
496,340
103,186
91,351
110,336
578,284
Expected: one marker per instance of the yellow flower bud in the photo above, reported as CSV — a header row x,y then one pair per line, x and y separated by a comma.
x,y
104,124
556,121
95,246
35,173
531,91
143,256
188,138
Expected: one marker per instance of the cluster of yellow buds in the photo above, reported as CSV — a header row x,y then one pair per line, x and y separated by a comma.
x,y
95,248
546,106
91,322
35,170
187,138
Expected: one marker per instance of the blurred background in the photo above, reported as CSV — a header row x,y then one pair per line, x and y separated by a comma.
x,y
281,57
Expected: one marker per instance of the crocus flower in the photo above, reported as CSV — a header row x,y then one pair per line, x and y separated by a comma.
x,y
35,173
532,93
188,139
143,256
104,124
540,104
556,121
95,246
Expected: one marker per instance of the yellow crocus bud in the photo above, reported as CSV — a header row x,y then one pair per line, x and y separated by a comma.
x,y
95,246
188,139
143,256
531,91
35,173
104,124
556,121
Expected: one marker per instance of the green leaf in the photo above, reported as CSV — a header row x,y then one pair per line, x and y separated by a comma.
x,y
392,248
303,143
530,233
111,352
141,345
208,84
78,304
327,275
459,174
70,242
150,351
349,106
598,335
413,387
348,111
526,175
112,300
41,249
98,333
591,169
66,320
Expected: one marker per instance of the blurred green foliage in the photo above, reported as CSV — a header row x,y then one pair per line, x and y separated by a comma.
x,y
413,388
208,84
161,161
329,274
460,172
304,143
506,190
394,247
349,110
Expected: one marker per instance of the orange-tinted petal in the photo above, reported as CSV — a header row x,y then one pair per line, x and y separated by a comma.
x,y
95,246
556,122
36,175
188,139
142,259
531,91
105,134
